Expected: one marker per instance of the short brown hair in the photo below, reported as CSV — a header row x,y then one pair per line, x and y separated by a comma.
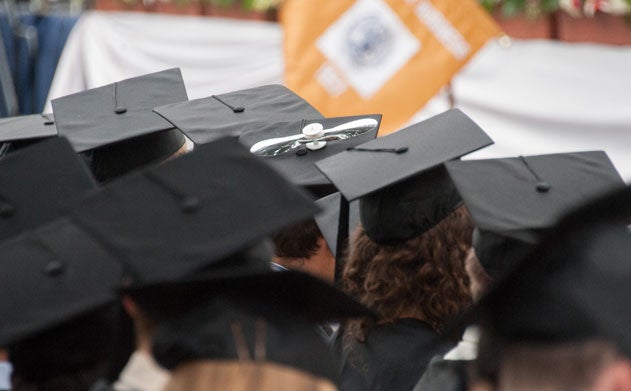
x,y
297,241
244,375
555,366
423,275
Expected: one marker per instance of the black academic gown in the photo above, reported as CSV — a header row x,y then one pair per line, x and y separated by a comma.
x,y
393,357
444,375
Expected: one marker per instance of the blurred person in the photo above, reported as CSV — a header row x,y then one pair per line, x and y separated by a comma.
x,y
38,182
141,372
72,356
239,339
592,365
559,319
513,201
245,376
60,320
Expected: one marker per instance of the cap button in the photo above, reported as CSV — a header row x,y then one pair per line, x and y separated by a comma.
x,y
190,204
543,187
6,210
54,268
120,110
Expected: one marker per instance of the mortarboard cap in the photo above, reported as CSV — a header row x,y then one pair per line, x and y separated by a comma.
x,y
24,130
294,147
117,121
51,275
172,220
37,182
266,332
328,219
513,200
290,301
400,178
207,119
118,111
301,294
575,285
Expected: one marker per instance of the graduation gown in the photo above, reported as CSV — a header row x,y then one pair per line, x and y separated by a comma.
x,y
393,358
444,375
449,373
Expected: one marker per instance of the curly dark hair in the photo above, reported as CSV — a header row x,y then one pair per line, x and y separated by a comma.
x,y
423,276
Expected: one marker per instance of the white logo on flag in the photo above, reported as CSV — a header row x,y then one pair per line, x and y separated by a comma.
x,y
368,45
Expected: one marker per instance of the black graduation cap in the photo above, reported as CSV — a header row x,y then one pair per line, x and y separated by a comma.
x,y
171,220
294,147
51,275
514,200
26,129
37,182
301,294
118,111
117,121
289,301
268,329
401,179
207,119
575,285
329,222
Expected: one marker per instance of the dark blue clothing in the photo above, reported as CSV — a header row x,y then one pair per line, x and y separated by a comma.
x,y
33,61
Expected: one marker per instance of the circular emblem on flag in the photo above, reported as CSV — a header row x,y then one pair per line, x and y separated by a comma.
x,y
369,41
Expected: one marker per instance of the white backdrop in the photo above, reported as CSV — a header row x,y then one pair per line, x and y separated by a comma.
x,y
531,97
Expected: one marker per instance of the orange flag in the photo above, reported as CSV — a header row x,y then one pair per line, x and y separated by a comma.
x,y
353,57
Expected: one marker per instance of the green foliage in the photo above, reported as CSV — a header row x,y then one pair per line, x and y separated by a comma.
x,y
530,8
224,3
513,7
549,5
260,5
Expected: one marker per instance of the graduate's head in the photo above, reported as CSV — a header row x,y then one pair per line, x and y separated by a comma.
x,y
591,365
61,320
422,277
302,247
71,356
114,160
515,200
565,302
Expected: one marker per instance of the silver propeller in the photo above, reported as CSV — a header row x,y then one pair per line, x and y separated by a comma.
x,y
313,136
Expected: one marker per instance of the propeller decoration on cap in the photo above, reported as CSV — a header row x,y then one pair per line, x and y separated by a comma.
x,y
313,137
